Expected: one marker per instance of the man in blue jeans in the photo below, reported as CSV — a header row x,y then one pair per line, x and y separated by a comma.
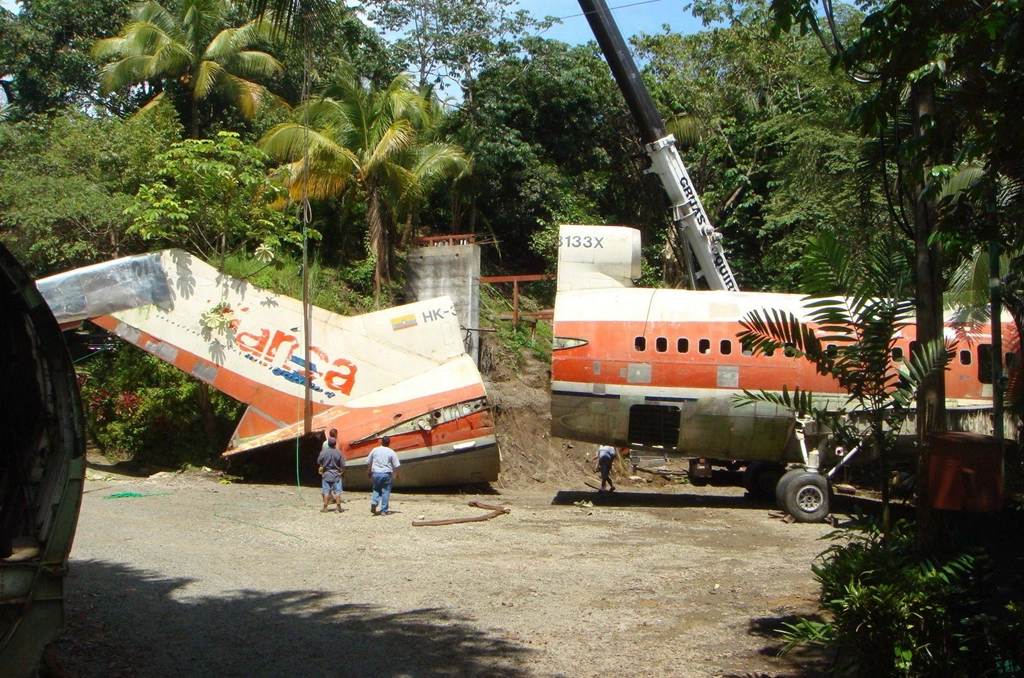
x,y
332,468
382,468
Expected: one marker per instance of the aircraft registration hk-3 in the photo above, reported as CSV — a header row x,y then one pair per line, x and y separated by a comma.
x,y
401,372
656,369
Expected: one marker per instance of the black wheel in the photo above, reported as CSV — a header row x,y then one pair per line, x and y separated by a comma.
x,y
761,479
780,487
806,497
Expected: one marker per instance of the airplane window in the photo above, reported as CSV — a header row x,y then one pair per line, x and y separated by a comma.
x,y
965,357
704,346
789,350
725,347
640,344
897,353
985,363
682,345
831,350
745,348
661,344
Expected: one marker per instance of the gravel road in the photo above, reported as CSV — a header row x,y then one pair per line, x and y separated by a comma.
x,y
199,578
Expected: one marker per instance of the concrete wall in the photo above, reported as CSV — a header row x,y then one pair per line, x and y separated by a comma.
x,y
455,271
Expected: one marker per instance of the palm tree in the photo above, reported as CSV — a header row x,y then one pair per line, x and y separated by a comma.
x,y
193,48
378,143
857,305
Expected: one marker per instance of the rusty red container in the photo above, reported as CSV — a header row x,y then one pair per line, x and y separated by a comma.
x,y
965,472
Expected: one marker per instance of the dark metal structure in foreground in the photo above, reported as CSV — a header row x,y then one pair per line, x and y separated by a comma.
x,y
42,468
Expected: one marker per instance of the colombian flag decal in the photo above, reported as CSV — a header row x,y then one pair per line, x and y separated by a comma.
x,y
403,322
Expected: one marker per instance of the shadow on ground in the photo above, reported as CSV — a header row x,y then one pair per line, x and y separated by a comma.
x,y
657,499
128,622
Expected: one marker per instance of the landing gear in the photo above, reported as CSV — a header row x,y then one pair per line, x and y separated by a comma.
x,y
804,495
761,478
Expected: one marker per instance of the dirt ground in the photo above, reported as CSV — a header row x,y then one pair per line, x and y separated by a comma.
x,y
191,576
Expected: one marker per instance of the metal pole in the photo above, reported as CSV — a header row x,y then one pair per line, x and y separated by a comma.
x,y
307,415
515,304
997,338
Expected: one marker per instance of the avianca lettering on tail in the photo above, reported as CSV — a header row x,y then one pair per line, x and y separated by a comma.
x,y
657,369
401,372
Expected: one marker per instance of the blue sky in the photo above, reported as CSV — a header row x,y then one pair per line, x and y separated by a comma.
x,y
632,17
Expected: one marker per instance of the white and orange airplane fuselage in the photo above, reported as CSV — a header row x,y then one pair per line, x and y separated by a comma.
x,y
401,372
658,369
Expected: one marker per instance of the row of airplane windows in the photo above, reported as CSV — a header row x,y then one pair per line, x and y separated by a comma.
x,y
725,347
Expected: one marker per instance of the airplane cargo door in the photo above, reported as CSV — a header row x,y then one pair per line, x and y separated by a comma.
x,y
654,425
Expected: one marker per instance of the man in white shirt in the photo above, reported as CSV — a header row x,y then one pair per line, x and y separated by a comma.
x,y
382,468
605,456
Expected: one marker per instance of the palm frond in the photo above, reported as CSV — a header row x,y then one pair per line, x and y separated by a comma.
x,y
254,64
289,142
687,129
801,402
776,329
964,179
920,365
204,80
396,138
293,19
124,73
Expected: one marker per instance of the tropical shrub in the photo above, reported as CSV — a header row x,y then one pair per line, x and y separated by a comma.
x,y
140,408
894,613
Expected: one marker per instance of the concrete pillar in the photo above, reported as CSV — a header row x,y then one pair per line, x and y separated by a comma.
x,y
453,270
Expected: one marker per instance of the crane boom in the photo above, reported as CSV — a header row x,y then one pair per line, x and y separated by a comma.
x,y
688,215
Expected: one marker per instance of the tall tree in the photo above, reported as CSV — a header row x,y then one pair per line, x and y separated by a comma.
x,y
446,42
358,138
762,126
192,49
917,55
44,52
66,180
215,197
552,143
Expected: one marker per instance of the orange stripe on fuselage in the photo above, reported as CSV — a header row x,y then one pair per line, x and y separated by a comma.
x,y
273,403
365,423
611,350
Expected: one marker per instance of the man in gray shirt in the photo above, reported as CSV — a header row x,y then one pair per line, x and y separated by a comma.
x,y
382,468
332,468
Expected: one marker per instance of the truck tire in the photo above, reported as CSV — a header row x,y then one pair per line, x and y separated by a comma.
x,y
780,487
805,496
761,478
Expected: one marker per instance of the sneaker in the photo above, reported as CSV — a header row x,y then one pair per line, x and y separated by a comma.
x,y
385,513
323,510
373,509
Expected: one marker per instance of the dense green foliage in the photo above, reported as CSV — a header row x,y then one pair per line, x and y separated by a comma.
x,y
194,52
45,62
144,409
66,181
215,198
763,128
895,614
782,147
531,174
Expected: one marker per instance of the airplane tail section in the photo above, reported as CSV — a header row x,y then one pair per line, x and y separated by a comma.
x,y
247,342
597,257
